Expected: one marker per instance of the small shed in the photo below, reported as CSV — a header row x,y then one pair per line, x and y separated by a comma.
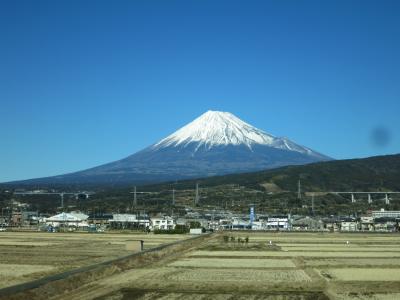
x,y
196,230
135,246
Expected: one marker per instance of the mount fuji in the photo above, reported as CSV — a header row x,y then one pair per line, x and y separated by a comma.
x,y
215,143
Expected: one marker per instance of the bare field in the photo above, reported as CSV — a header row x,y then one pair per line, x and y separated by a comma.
x,y
294,266
287,253
134,294
354,261
242,275
232,263
362,274
25,256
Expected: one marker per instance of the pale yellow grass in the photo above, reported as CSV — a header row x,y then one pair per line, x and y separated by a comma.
x,y
295,254
242,275
20,270
233,263
363,274
11,274
362,262
344,248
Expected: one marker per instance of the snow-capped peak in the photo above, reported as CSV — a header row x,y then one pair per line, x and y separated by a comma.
x,y
216,128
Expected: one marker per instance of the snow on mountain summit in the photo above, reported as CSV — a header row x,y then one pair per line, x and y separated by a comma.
x,y
216,128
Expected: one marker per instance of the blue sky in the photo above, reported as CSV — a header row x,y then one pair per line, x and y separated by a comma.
x,y
87,82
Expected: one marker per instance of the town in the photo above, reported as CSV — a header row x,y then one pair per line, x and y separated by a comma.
x,y
17,216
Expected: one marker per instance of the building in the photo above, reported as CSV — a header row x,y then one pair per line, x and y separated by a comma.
x,y
385,213
257,225
99,219
386,224
307,223
348,226
238,223
367,223
279,222
163,223
331,224
129,221
73,219
16,218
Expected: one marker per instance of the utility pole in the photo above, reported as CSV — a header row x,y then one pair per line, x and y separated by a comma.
x,y
312,203
62,201
299,189
134,197
173,197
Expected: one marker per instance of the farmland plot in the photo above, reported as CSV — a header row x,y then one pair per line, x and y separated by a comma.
x,y
241,275
25,256
362,274
295,254
233,263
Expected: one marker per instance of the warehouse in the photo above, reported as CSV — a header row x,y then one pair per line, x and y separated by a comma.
x,y
73,219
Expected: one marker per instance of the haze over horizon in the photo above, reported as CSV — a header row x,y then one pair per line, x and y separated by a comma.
x,y
84,84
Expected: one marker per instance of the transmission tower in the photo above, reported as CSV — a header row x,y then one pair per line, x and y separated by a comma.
x,y
299,189
196,200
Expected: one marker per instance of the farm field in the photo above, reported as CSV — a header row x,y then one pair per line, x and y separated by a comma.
x,y
25,256
276,266
270,265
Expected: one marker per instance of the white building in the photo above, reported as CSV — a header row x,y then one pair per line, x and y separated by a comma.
x,y
278,222
128,221
385,214
162,223
348,226
73,219
257,225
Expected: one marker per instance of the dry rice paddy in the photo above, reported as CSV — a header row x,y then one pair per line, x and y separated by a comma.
x,y
272,265
25,256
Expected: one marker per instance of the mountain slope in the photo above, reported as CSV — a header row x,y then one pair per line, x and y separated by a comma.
x,y
215,143
377,173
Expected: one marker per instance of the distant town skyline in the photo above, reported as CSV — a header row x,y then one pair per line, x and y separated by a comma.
x,y
85,83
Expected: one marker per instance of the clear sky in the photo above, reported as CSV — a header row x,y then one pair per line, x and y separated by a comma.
x,y
87,82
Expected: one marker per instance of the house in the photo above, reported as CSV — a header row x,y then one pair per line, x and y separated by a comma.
x,y
129,221
348,225
367,223
386,224
163,223
331,224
